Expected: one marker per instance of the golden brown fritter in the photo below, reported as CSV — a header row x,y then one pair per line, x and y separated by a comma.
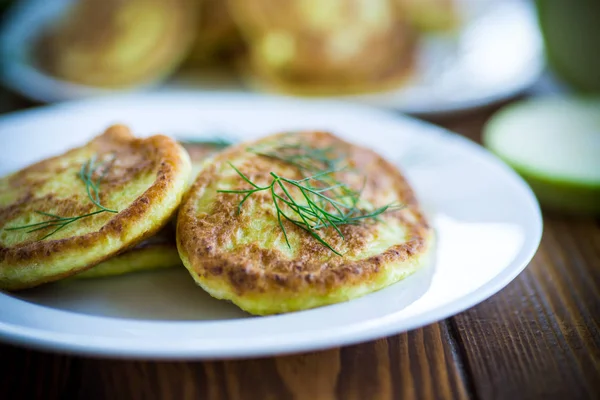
x,y
143,180
118,43
157,252
160,250
244,257
325,47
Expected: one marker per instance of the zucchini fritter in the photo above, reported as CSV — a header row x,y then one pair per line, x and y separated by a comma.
x,y
65,214
250,253
118,43
156,252
325,47
160,250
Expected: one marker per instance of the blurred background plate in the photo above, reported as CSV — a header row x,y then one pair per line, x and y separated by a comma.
x,y
496,54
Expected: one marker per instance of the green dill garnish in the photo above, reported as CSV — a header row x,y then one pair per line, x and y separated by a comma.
x,y
302,156
86,173
220,141
311,161
314,202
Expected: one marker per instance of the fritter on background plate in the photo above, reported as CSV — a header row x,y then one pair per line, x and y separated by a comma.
x,y
325,47
118,43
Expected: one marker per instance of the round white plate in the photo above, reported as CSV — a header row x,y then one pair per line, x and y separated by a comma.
x,y
487,222
497,54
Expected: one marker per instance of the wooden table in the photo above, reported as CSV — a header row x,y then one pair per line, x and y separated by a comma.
x,y
537,338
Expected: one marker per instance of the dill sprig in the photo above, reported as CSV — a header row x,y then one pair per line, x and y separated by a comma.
x,y
302,156
86,173
220,141
312,209
310,160
318,200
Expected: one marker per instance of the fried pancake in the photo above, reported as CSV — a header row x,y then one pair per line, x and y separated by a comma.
x,y
117,43
156,252
242,255
160,250
141,180
325,47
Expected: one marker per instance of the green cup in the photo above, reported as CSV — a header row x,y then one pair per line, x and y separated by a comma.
x,y
571,31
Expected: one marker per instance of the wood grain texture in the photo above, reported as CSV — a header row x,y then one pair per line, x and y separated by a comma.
x,y
417,365
539,337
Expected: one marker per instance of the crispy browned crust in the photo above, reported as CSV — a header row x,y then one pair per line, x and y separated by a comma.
x,y
251,271
129,226
164,240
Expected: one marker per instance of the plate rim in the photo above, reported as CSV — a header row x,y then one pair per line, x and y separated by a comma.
x,y
39,338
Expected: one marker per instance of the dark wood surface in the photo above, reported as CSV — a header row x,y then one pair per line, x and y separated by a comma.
x,y
537,338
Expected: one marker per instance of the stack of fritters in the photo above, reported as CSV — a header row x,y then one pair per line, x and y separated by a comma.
x,y
289,222
308,47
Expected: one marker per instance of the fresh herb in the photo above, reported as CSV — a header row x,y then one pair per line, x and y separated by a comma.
x,y
311,160
302,156
87,172
216,141
92,187
314,202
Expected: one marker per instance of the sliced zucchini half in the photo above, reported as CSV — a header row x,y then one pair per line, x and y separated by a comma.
x,y
554,143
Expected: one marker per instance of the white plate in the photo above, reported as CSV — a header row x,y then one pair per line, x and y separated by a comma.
x,y
496,55
487,222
